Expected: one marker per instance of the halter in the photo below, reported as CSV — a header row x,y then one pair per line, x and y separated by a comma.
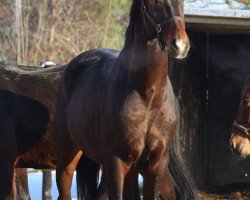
x,y
241,128
159,26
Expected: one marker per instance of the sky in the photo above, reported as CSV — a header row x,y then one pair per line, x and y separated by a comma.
x,y
213,4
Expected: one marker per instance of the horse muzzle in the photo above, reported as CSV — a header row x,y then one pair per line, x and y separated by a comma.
x,y
240,146
180,48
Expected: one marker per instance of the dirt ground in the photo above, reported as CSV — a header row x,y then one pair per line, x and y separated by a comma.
x,y
236,195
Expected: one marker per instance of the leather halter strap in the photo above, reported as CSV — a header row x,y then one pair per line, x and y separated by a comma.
x,y
241,128
159,26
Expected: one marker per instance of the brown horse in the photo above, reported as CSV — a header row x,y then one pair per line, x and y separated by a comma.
x,y
120,111
23,125
240,138
27,104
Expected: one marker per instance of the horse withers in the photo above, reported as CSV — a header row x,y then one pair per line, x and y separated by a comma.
x,y
120,111
240,137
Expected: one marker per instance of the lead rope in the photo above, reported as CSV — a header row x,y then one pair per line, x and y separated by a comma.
x,y
242,128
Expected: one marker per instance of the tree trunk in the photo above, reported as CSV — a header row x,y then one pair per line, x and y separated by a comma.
x,y
52,32
18,14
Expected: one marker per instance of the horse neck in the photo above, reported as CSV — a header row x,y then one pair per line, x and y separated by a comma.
x,y
243,116
147,71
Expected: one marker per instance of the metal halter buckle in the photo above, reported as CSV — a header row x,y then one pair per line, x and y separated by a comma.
x,y
242,128
158,28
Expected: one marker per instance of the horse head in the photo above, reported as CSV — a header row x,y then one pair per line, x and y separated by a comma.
x,y
240,136
164,20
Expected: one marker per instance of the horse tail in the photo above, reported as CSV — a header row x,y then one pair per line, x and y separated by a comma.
x,y
87,177
184,185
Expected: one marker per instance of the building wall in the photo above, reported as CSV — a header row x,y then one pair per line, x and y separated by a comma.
x,y
208,86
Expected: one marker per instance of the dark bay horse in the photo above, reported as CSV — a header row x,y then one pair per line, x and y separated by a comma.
x,y
27,104
240,136
23,123
120,111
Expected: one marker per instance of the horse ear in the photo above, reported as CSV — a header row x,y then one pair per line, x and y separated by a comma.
x,y
248,78
248,82
241,94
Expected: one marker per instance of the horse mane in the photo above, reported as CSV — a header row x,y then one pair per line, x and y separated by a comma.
x,y
129,35
119,71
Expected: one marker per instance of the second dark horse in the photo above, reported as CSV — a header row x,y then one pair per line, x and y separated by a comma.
x,y
121,112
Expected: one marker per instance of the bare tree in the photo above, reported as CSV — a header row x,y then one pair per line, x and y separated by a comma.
x,y
18,11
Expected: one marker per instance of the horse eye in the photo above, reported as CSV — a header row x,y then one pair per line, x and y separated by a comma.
x,y
245,101
159,2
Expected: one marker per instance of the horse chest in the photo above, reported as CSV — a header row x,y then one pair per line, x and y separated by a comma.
x,y
158,139
146,133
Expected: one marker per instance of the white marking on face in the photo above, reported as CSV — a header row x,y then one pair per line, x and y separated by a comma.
x,y
181,45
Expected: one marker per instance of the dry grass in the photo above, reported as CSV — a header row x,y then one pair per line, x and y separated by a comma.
x,y
57,29
60,29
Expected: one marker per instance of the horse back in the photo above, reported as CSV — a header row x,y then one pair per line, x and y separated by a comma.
x,y
77,66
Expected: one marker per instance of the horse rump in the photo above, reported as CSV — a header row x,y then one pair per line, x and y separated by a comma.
x,y
87,178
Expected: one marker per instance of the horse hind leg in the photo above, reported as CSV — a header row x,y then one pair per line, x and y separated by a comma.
x,y
116,171
67,154
130,190
67,160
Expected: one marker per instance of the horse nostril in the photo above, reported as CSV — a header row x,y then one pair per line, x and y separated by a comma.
x,y
174,44
232,144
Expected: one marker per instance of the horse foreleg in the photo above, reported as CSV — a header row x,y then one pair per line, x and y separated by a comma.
x,y
131,187
67,154
7,179
164,188
116,171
